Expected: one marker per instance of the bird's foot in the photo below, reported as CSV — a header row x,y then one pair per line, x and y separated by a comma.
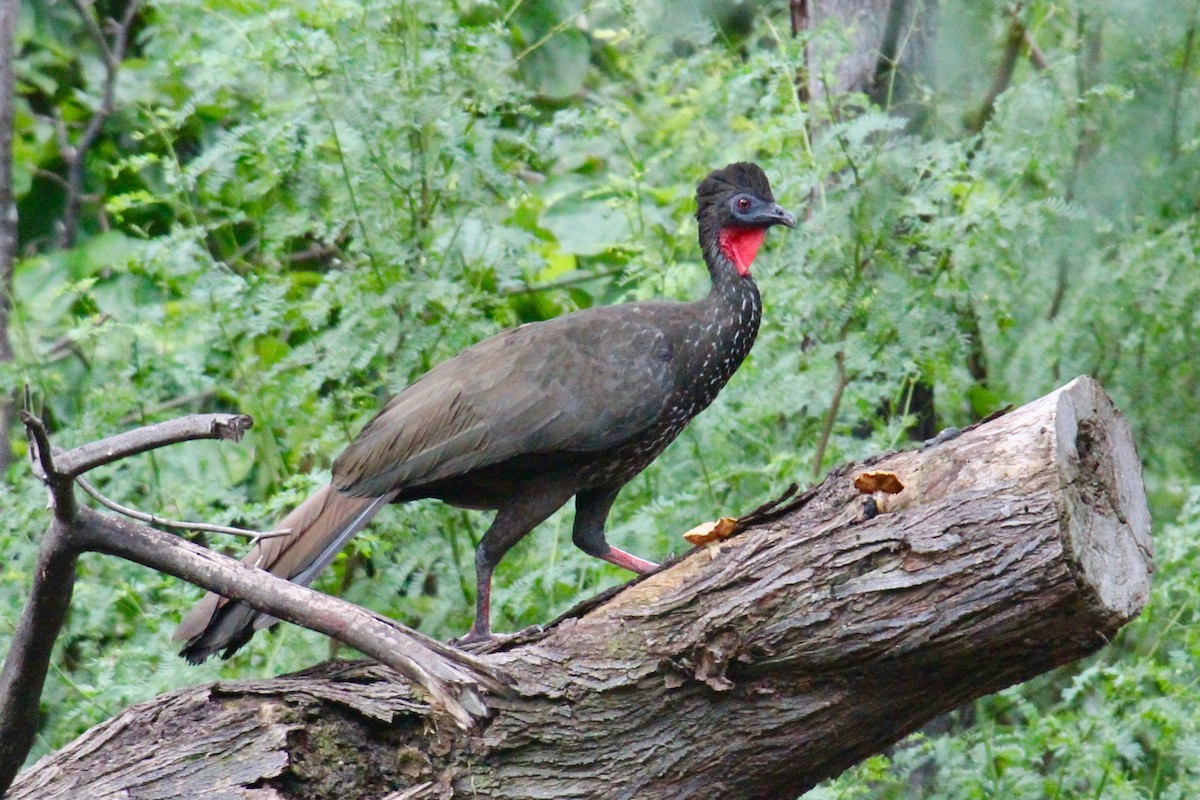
x,y
474,636
488,642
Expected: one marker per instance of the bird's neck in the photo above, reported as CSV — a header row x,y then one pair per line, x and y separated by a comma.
x,y
729,258
730,314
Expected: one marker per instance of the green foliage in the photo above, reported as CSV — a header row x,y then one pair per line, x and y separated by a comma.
x,y
299,209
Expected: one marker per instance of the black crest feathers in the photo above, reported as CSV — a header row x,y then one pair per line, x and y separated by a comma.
x,y
741,176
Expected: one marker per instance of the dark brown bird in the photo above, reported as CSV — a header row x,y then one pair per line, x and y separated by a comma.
x,y
572,407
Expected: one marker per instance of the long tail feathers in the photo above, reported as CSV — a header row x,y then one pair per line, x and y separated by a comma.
x,y
320,527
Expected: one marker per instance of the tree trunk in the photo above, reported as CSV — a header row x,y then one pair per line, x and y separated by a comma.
x,y
752,668
8,211
886,49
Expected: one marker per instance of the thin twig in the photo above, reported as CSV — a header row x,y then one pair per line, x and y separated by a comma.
x,y
168,405
93,29
1037,58
831,414
561,26
62,493
1185,71
184,429
65,345
36,430
51,176
154,519
570,280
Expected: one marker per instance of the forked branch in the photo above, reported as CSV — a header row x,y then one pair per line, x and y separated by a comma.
x,y
455,681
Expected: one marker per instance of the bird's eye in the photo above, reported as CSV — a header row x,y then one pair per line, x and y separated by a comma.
x,y
743,203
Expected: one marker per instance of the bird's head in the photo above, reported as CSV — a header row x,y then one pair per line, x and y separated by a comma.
x,y
734,207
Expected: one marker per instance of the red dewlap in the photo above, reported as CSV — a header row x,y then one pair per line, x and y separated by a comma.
x,y
740,245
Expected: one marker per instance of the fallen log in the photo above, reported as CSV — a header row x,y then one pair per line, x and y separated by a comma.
x,y
753,667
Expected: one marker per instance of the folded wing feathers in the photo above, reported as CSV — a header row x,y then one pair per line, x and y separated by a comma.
x,y
505,397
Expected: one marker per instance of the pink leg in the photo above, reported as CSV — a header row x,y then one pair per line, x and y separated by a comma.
x,y
481,628
628,561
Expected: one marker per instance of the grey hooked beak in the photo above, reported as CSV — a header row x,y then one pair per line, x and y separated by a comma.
x,y
778,216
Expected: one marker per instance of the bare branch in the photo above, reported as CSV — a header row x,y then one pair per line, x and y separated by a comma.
x,y
153,519
62,491
85,10
28,658
450,676
40,453
53,177
195,426
453,679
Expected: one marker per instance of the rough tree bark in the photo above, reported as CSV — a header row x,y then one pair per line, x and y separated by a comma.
x,y
749,669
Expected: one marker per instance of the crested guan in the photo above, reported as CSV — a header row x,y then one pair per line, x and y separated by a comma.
x,y
522,421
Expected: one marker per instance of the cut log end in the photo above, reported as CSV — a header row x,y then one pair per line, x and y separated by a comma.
x,y
1105,517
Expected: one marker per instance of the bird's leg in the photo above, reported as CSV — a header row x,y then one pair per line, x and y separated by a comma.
x,y
511,524
628,561
591,511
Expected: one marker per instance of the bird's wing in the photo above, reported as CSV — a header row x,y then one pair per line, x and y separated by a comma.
x,y
583,382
